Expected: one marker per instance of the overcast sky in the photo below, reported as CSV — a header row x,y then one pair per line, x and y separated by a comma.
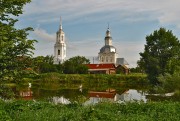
x,y
85,23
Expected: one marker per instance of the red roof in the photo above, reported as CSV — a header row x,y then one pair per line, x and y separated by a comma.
x,y
102,94
101,66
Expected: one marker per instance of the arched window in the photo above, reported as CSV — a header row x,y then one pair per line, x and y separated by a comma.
x,y
102,59
106,59
59,52
62,38
111,59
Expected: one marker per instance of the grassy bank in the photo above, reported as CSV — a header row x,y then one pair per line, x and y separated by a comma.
x,y
92,81
93,78
41,111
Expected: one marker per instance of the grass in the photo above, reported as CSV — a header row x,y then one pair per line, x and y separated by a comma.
x,y
43,111
92,78
98,82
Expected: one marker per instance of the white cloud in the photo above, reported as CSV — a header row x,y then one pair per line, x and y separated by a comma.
x,y
41,34
165,11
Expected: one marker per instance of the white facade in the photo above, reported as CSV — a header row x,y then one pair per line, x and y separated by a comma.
x,y
60,46
108,53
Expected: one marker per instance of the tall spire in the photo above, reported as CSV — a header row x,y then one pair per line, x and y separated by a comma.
x,y
60,23
108,34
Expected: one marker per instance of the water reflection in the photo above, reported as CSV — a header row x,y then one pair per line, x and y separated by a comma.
x,y
26,94
133,95
84,94
61,100
127,96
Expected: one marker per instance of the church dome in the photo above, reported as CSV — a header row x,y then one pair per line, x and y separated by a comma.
x,y
107,49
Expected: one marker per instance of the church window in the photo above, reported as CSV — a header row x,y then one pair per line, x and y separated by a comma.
x,y
111,59
106,59
62,38
58,52
102,59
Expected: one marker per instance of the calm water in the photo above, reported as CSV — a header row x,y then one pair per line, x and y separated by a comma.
x,y
68,93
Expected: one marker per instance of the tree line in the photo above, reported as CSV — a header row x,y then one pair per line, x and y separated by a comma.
x,y
74,65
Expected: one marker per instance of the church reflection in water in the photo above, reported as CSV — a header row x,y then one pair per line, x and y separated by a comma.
x,y
26,94
127,96
92,97
108,95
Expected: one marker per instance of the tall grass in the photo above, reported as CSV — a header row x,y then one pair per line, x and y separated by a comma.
x,y
41,111
92,78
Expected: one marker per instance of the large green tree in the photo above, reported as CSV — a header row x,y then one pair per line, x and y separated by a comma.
x,y
45,64
75,65
16,48
159,53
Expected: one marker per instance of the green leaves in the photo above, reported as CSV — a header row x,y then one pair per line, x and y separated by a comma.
x,y
41,111
161,46
75,65
11,7
16,48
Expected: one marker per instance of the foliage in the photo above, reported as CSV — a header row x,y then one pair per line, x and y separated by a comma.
x,y
5,92
170,82
174,63
136,70
161,47
93,79
75,65
38,111
43,64
16,49
45,68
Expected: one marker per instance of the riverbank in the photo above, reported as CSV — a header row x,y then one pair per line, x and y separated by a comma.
x,y
43,111
93,78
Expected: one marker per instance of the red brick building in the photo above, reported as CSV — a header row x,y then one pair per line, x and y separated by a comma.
x,y
101,68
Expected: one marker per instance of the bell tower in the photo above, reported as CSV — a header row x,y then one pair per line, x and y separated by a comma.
x,y
60,46
107,54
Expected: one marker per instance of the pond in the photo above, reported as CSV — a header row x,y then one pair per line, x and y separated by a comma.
x,y
85,94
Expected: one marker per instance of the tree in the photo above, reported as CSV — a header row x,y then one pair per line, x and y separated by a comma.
x,y
75,65
136,70
171,83
45,64
16,49
49,59
160,48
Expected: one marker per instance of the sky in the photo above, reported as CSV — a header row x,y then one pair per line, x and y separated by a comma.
x,y
86,21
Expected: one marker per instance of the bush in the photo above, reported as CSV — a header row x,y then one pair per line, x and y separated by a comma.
x,y
170,82
105,111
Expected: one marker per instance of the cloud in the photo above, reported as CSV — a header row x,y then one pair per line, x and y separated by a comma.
x,y
165,11
42,35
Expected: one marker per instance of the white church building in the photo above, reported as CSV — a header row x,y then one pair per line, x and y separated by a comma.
x,y
60,46
108,53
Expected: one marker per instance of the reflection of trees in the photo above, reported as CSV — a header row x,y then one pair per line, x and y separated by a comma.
x,y
142,92
163,98
6,92
70,94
